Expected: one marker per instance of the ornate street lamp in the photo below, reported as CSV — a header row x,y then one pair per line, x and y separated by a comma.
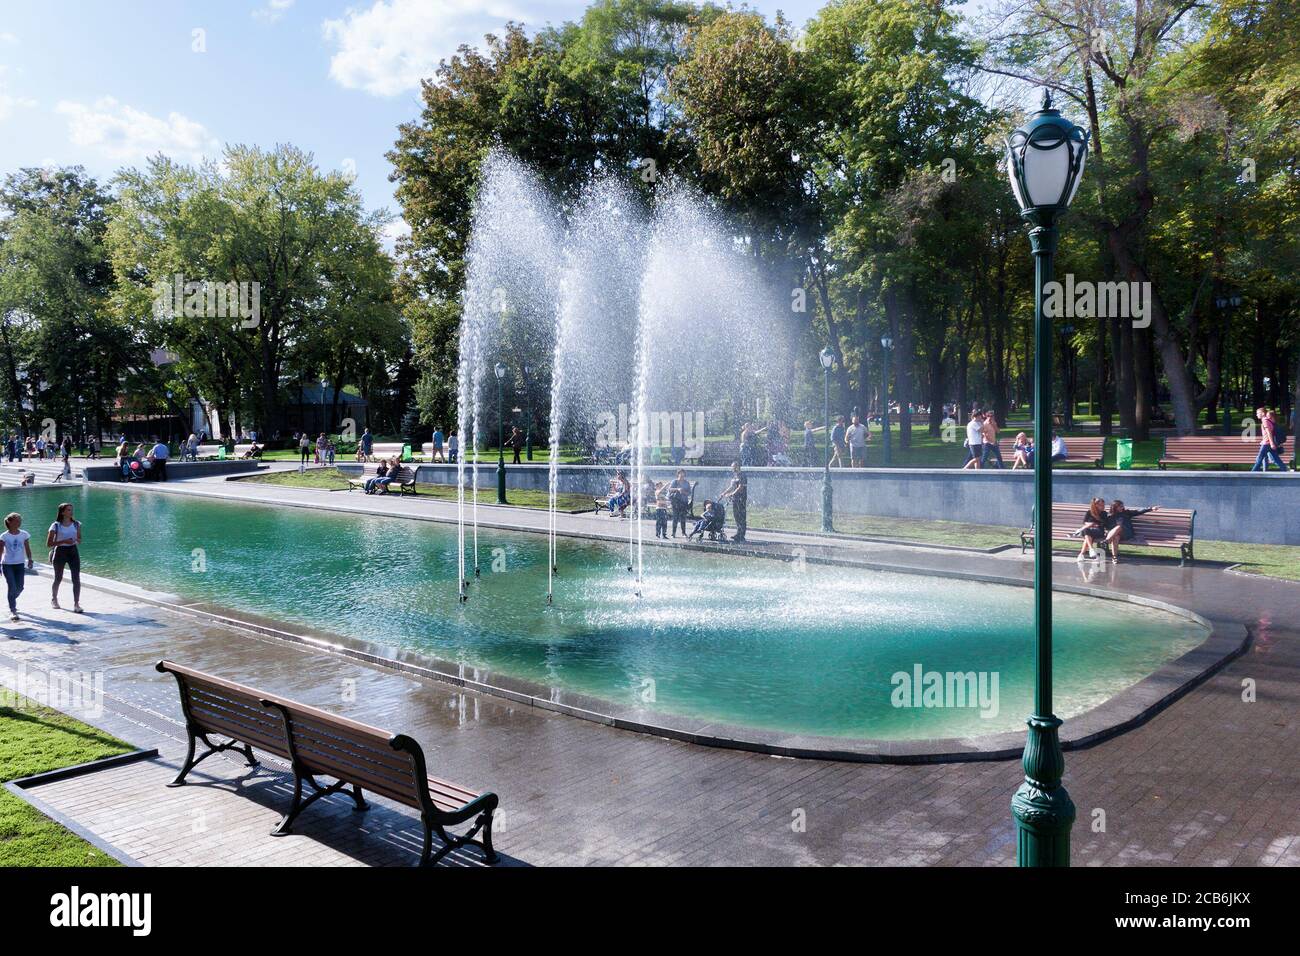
x,y
887,344
1045,160
500,371
827,357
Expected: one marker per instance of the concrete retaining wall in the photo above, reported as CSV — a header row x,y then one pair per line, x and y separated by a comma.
x,y
178,470
1230,506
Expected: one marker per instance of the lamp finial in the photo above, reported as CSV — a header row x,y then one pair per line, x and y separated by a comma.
x,y
1047,99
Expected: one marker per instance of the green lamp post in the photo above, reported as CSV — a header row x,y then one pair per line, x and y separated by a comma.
x,y
528,402
827,357
886,344
1045,159
500,371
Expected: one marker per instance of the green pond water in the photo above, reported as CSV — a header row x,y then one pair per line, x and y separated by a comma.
x,y
748,641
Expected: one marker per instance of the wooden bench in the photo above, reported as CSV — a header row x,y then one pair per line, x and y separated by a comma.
x,y
1218,450
1167,528
242,450
387,449
718,453
1078,450
403,480
317,743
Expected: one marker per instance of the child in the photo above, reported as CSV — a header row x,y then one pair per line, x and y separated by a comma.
x,y
661,509
17,547
706,518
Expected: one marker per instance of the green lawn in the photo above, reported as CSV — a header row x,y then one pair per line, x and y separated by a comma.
x,y
1273,560
331,479
35,740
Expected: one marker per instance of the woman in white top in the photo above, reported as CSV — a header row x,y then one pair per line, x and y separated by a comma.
x,y
63,537
17,559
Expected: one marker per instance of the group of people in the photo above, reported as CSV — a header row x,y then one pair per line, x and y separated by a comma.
x,y
384,476
849,442
37,448
1104,529
672,499
446,448
62,539
982,448
1272,440
145,463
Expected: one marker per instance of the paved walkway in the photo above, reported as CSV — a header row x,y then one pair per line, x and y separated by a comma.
x,y
1210,781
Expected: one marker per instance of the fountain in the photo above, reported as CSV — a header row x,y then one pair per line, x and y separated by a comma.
x,y
663,309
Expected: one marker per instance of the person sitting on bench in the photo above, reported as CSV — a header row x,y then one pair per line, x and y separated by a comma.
x,y
1119,525
620,494
1093,530
1059,451
381,475
1024,452
254,451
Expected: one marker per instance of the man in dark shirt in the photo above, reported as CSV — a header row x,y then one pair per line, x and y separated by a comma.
x,y
738,492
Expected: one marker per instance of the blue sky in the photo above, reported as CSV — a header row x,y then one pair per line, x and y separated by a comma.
x,y
105,84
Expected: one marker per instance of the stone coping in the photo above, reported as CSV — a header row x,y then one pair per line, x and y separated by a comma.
x,y
1127,709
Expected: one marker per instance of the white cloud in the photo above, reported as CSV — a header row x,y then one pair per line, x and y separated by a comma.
x,y
390,232
6,37
122,133
273,11
392,45
9,102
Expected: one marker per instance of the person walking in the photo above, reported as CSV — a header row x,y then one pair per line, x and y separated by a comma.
x,y
1271,441
837,443
738,492
367,445
304,448
438,441
516,442
17,559
989,438
858,436
453,448
809,445
974,439
63,539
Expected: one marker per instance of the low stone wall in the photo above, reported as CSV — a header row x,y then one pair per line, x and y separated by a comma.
x,y
178,470
1260,508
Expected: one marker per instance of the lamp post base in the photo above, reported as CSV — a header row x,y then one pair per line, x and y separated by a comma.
x,y
501,483
1043,810
826,503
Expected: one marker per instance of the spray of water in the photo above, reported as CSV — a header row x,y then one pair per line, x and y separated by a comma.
x,y
665,310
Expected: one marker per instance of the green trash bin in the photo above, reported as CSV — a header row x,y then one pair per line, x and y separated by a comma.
x,y
1123,453
221,453
406,453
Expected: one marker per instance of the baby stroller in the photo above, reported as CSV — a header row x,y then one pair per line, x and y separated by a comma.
x,y
712,524
132,470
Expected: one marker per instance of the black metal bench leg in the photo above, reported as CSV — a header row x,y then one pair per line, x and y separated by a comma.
x,y
286,823
489,854
361,804
187,766
248,754
428,844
